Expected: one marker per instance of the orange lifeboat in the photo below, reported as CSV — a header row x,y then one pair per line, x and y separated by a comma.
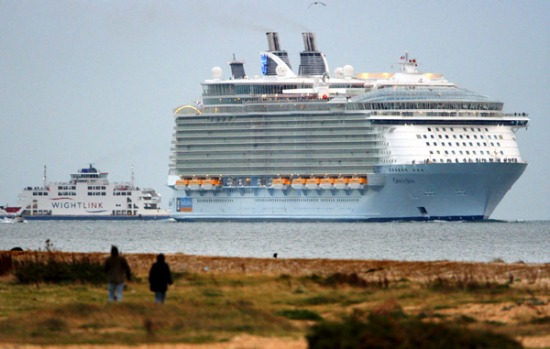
x,y
280,183
357,182
326,183
341,183
209,184
194,184
298,183
182,183
313,183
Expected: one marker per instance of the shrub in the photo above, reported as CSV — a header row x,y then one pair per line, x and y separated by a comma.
x,y
300,314
6,263
381,332
84,271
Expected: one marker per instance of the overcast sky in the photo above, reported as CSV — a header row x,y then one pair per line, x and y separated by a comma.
x,y
96,81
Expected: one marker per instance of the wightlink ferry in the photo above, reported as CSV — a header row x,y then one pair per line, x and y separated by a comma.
x,y
89,195
311,144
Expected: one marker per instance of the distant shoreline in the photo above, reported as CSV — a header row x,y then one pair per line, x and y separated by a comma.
x,y
392,269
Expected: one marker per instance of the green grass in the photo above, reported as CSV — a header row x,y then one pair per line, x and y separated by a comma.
x,y
204,308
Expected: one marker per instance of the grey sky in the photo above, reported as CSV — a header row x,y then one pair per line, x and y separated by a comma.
x,y
96,81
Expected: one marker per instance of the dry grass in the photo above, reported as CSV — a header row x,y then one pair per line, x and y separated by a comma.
x,y
223,300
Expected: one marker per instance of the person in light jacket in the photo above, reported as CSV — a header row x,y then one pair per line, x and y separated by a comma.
x,y
118,271
159,279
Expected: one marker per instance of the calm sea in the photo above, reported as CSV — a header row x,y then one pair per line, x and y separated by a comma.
x,y
419,241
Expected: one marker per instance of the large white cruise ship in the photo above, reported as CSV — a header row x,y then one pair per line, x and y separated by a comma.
x,y
343,146
89,195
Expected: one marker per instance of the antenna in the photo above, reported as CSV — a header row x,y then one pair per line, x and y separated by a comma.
x,y
132,175
44,178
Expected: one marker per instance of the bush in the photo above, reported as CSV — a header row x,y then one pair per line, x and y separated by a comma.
x,y
6,263
381,332
84,271
300,314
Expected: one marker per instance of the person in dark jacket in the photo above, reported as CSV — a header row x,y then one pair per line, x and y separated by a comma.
x,y
118,271
159,279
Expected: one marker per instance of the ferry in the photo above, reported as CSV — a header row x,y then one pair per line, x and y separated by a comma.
x,y
88,195
311,144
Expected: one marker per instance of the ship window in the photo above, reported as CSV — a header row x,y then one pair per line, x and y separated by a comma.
x,y
443,129
428,144
446,152
481,136
419,136
461,153
435,143
439,136
447,136
500,137
486,129
461,137
472,129
467,152
429,129
431,152
437,129
479,129
425,136
478,144
498,144
467,136
485,143
492,144
432,136
450,144
453,152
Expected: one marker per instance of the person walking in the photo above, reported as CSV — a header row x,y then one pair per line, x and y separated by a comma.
x,y
159,279
118,271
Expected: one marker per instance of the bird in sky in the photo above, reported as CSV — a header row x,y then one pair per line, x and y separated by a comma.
x,y
317,3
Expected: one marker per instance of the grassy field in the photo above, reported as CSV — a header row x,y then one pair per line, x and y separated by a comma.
x,y
215,300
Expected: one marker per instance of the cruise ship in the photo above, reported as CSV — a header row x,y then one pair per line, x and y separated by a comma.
x,y
340,146
89,195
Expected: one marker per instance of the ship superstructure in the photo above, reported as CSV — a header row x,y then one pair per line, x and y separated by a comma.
x,y
321,146
89,195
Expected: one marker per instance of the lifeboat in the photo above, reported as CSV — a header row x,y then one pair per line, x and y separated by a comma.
x,y
181,184
298,183
357,182
326,183
209,184
280,183
341,183
313,183
194,184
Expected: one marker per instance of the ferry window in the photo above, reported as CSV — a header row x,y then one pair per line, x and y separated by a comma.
x,y
467,152
438,152
425,136
450,144
467,136
452,129
465,129
437,129
472,129
479,129
498,144
470,144
478,144
461,137
443,129
429,129
431,152
464,143
474,152
428,144
492,144
432,136
446,152
439,136
435,143
453,152
481,136
419,136
447,136
454,136
457,144
500,137
501,152
485,144
461,152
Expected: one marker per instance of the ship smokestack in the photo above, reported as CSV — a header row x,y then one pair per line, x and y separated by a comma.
x,y
312,62
275,48
273,41
237,68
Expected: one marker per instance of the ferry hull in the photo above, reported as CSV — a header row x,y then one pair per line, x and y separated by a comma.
x,y
452,191
94,218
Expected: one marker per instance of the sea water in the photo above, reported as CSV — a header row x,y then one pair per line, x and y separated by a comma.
x,y
411,241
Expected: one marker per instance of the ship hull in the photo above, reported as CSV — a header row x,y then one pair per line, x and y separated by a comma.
x,y
94,218
451,191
